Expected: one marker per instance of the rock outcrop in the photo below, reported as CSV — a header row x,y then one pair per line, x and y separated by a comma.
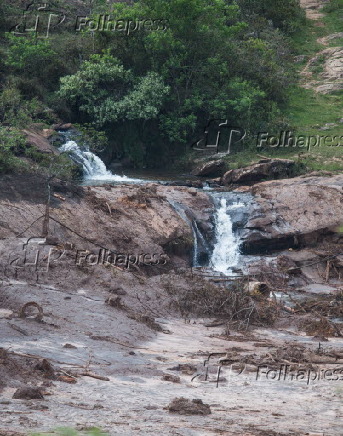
x,y
128,219
213,168
262,170
293,213
39,141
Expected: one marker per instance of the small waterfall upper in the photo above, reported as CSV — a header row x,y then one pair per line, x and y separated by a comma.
x,y
93,167
226,255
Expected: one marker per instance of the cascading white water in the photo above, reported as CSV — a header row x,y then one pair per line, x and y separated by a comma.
x,y
199,242
93,167
225,254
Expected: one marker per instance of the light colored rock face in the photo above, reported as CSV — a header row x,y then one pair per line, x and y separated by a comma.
x,y
294,212
326,39
312,8
331,79
334,63
40,141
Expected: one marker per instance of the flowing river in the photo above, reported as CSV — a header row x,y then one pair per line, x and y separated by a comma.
x,y
224,257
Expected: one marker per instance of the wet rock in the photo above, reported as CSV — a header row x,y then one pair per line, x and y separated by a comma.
x,y
214,182
28,393
180,246
192,184
263,170
52,240
183,406
214,168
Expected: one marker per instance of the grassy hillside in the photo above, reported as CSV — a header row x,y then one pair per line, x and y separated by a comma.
x,y
308,111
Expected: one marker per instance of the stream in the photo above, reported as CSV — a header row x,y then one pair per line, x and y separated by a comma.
x,y
222,255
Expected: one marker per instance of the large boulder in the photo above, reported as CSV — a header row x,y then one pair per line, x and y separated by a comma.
x,y
62,126
293,213
262,170
213,168
39,141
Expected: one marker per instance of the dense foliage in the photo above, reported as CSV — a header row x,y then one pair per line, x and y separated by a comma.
x,y
153,90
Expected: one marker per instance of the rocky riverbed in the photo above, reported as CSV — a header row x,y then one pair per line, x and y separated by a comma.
x,y
117,339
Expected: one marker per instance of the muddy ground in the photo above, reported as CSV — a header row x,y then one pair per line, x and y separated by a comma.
x,y
115,344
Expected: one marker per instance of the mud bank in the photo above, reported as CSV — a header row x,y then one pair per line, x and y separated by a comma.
x,y
119,339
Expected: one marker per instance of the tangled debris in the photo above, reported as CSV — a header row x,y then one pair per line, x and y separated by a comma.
x,y
239,304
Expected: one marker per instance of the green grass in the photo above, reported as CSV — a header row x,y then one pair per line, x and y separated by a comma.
x,y
304,42
308,111
336,42
333,19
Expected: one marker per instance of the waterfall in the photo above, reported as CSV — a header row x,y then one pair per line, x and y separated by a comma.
x,y
199,241
200,246
93,167
225,255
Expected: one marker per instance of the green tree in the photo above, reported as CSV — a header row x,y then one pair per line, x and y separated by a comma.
x,y
105,92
